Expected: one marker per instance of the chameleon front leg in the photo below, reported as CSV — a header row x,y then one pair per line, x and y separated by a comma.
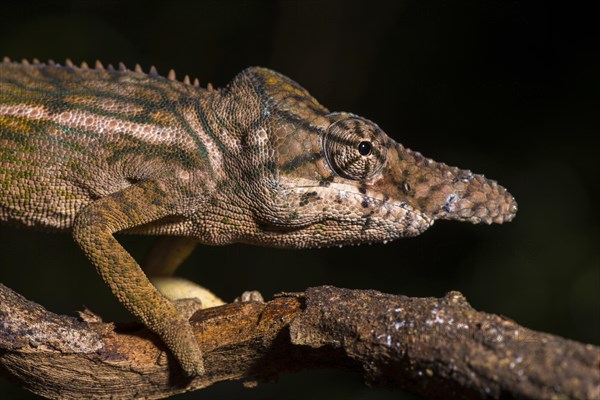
x,y
163,258
93,231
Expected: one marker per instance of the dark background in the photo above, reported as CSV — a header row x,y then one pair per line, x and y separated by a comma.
x,y
505,88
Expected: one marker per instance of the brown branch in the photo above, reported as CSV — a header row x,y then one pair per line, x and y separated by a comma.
x,y
440,348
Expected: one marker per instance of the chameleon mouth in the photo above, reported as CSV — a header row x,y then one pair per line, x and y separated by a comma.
x,y
345,204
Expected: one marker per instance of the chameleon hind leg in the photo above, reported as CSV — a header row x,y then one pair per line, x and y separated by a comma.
x,y
163,258
166,254
93,230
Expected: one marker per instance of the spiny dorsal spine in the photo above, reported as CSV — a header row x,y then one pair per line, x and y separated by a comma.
x,y
153,72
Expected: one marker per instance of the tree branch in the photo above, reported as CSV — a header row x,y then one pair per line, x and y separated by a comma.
x,y
439,348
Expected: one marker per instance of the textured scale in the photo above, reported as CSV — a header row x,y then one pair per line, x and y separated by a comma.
x,y
102,150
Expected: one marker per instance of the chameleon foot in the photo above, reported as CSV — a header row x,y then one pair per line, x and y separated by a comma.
x,y
188,307
250,295
184,346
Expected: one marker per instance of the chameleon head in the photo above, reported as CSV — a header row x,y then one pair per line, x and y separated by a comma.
x,y
340,179
357,149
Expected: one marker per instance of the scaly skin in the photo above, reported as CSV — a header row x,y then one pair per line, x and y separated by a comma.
x,y
99,151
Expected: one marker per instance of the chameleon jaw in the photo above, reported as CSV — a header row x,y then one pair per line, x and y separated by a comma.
x,y
336,214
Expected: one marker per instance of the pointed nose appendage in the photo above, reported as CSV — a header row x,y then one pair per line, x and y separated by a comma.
x,y
445,192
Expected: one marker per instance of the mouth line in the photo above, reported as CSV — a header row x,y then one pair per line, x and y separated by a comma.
x,y
401,204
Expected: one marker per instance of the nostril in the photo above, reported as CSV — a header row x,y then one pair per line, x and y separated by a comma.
x,y
447,207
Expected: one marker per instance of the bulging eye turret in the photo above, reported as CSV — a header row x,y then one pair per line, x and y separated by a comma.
x,y
355,148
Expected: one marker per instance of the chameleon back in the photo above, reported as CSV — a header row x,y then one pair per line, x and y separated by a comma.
x,y
69,136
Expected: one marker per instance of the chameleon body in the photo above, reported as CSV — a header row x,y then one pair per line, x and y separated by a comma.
x,y
95,151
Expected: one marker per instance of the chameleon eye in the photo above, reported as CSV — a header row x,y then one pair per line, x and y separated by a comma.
x,y
354,148
364,148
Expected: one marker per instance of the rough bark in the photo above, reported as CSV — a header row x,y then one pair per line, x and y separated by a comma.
x,y
440,348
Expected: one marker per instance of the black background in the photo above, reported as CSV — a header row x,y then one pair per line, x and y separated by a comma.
x,y
504,88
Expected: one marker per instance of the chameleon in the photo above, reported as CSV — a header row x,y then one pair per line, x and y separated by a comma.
x,y
99,150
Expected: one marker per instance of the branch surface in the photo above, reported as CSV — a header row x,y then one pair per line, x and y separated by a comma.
x,y
439,348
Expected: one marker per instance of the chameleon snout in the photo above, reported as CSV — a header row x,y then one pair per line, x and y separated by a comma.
x,y
451,193
479,201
